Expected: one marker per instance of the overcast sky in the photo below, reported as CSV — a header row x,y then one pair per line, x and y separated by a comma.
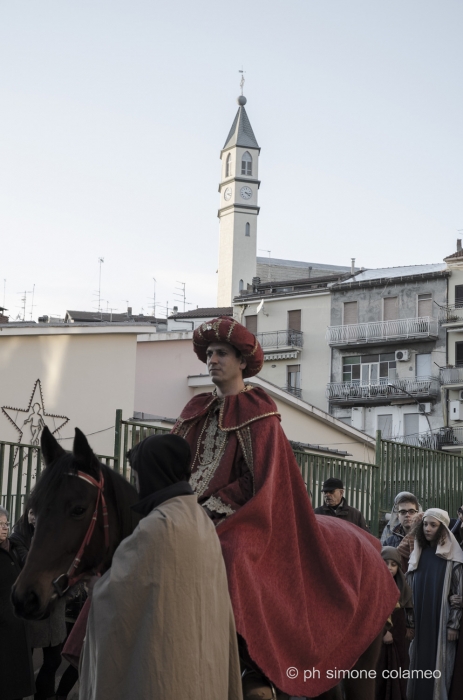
x,y
113,114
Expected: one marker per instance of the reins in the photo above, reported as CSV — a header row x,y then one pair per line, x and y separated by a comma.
x,y
65,581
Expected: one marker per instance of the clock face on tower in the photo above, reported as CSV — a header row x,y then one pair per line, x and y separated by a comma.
x,y
246,192
228,193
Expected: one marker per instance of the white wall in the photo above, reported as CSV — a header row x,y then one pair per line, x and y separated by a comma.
x,y
83,377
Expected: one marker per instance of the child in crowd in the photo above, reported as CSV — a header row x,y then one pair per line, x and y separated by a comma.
x,y
398,633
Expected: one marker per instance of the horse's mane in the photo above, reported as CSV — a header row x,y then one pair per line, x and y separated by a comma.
x,y
116,487
124,495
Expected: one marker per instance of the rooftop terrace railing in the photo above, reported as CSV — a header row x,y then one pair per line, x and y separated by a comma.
x,y
383,331
420,387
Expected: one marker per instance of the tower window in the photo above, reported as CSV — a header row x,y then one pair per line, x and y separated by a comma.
x,y
246,164
247,230
228,165
241,286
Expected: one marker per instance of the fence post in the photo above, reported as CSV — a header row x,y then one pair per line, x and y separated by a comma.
x,y
376,487
117,440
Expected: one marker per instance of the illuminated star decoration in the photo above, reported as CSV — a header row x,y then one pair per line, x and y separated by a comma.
x,y
29,422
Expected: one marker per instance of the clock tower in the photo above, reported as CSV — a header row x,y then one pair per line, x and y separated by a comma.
x,y
238,208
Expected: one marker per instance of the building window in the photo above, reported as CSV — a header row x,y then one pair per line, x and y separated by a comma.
x,y
246,164
351,314
241,285
294,320
251,323
369,369
459,295
293,380
411,424
228,165
247,230
459,354
385,425
424,305
423,365
390,308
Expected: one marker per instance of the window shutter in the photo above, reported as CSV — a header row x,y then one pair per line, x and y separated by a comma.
x,y
294,320
459,295
459,354
350,313
424,305
391,308
251,323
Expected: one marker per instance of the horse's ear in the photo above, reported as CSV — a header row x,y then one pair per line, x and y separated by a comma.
x,y
51,449
84,453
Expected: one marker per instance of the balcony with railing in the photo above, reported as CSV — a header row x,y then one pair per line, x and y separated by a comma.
x,y
381,332
295,390
357,393
281,340
451,376
452,314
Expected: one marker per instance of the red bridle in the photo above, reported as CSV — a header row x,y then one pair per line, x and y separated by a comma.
x,y
65,581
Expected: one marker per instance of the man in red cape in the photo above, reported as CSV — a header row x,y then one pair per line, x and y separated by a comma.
x,y
309,593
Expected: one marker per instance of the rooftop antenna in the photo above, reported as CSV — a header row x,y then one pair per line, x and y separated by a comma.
x,y
32,302
182,294
23,303
100,261
264,250
154,297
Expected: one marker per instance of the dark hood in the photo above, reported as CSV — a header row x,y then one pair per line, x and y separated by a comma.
x,y
160,461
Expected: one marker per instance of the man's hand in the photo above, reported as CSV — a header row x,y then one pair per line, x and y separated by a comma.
x,y
452,635
456,600
410,634
388,639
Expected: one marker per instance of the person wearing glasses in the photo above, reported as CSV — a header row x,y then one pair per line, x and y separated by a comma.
x,y
407,511
16,674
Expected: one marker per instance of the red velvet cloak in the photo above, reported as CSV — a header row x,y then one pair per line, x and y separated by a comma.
x,y
308,592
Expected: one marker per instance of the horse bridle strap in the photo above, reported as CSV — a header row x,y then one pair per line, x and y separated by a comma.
x,y
65,581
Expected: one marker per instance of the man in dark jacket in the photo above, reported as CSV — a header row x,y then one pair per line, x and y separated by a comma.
x,y
336,505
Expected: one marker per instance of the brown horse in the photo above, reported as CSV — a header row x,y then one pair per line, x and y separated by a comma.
x,y
65,500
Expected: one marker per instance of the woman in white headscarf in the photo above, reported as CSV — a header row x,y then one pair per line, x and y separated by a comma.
x,y
434,574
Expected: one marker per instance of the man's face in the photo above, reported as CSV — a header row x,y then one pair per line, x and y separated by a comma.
x,y
430,527
460,514
407,512
333,497
223,364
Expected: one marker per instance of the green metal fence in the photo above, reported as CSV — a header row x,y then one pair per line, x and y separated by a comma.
x,y
435,477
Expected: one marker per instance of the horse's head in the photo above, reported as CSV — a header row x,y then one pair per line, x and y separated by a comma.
x,y
63,505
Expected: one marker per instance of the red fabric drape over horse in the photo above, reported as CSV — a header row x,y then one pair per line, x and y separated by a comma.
x,y
307,591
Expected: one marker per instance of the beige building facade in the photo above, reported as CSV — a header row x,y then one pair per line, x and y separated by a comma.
x,y
66,376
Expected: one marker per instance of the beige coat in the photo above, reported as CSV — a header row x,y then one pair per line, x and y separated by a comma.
x,y
161,625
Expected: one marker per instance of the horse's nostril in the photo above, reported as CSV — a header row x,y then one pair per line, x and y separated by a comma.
x,y
27,605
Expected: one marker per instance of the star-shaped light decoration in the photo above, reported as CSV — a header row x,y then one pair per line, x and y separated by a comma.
x,y
30,421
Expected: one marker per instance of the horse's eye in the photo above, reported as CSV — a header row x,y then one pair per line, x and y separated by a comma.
x,y
78,511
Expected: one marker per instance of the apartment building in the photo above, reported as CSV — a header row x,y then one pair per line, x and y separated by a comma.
x,y
386,349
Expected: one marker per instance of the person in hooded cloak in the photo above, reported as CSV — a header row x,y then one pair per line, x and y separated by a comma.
x,y
435,575
161,624
394,649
